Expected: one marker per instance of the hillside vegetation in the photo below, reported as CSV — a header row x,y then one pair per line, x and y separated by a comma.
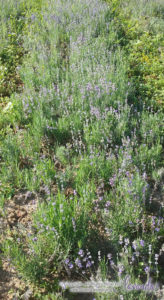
x,y
81,143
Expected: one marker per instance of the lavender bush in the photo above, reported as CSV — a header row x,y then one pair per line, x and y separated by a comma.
x,y
80,135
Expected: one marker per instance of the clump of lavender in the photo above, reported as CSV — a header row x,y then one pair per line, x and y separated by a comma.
x,y
82,264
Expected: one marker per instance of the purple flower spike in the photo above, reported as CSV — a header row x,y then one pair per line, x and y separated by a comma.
x,y
134,245
142,243
88,265
78,263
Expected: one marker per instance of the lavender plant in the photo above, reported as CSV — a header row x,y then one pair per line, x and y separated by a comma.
x,y
79,133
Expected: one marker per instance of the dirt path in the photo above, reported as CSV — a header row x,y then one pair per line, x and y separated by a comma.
x,y
16,218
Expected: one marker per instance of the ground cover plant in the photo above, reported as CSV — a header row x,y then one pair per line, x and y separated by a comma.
x,y
81,143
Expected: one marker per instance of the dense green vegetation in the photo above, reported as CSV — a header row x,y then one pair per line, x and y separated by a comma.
x,y
81,128
139,30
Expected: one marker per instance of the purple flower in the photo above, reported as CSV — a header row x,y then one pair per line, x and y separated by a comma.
x,y
157,229
88,264
107,204
142,243
78,263
111,181
70,265
120,269
77,260
81,252
147,269
67,261
134,245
